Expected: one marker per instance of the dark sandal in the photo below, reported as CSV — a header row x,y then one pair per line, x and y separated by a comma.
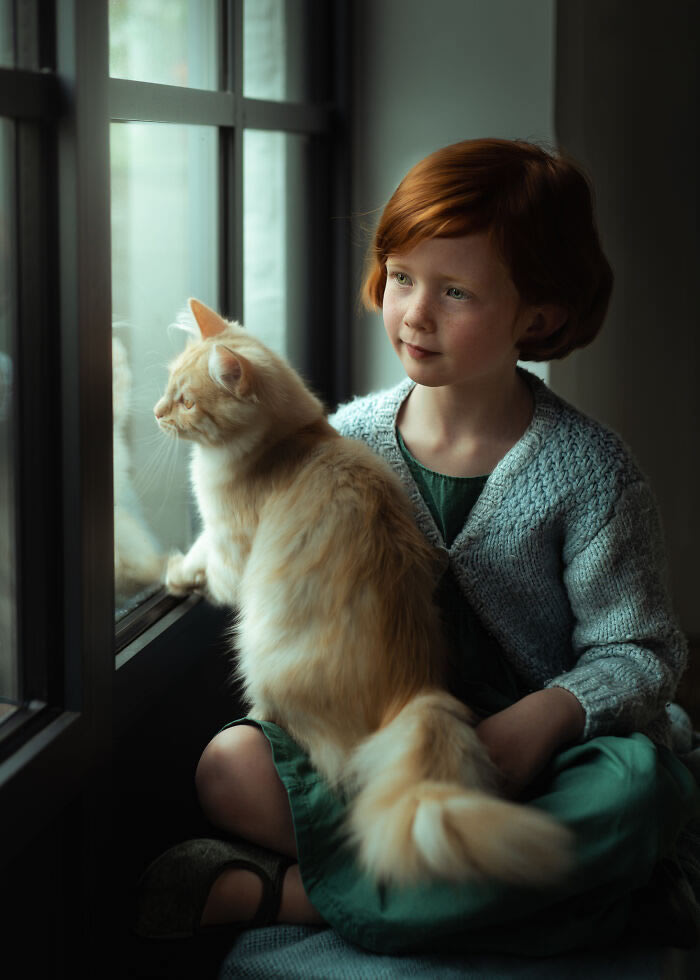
x,y
173,890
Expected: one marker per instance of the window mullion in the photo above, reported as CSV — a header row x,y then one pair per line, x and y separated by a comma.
x,y
28,94
339,164
236,209
152,102
38,505
85,324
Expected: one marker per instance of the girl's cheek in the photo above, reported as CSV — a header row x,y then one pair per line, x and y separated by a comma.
x,y
390,311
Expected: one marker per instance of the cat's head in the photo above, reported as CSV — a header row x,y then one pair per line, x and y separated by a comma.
x,y
226,386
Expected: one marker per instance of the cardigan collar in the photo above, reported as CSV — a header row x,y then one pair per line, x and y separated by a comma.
x,y
544,418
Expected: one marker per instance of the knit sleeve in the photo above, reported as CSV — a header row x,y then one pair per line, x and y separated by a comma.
x,y
630,651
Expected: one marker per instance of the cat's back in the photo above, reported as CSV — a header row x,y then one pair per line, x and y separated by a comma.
x,y
338,495
331,470
338,585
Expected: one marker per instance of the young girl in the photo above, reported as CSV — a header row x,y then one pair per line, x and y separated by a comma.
x,y
560,627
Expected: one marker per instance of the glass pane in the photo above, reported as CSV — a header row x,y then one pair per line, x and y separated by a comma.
x,y
173,42
7,52
275,240
275,50
164,249
9,684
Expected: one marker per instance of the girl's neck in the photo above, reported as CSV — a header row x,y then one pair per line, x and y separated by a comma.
x,y
465,431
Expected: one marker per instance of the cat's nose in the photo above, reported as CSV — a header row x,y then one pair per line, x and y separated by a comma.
x,y
159,410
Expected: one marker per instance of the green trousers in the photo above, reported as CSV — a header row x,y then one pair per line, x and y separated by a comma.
x,y
624,798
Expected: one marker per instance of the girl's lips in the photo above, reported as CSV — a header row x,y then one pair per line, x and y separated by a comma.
x,y
419,353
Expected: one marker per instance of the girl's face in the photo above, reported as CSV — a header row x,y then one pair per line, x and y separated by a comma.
x,y
452,312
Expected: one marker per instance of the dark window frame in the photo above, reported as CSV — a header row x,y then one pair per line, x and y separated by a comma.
x,y
62,102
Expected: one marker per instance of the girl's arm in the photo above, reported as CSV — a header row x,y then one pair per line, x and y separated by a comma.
x,y
630,650
523,738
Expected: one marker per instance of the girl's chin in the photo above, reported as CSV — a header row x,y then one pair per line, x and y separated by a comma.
x,y
422,362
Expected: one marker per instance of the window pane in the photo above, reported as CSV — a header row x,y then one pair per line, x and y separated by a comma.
x,y
275,239
276,54
164,249
173,42
9,685
7,53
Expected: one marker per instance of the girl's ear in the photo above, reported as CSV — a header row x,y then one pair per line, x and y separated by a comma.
x,y
232,371
210,323
545,321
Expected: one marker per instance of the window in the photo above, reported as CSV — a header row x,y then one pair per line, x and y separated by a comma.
x,y
186,51
276,234
165,237
210,198
9,693
7,54
140,163
164,248
277,50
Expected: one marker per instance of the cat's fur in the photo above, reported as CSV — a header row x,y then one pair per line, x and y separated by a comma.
x,y
310,538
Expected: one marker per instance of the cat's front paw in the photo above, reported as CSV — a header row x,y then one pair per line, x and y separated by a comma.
x,y
181,580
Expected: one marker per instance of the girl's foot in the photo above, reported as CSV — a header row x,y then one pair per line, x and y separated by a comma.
x,y
236,895
202,883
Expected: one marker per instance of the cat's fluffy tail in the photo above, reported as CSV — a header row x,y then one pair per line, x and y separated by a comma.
x,y
423,807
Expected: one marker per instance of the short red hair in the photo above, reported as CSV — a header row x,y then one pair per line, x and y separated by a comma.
x,y
538,209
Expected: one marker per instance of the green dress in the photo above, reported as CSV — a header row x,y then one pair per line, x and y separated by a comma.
x,y
625,799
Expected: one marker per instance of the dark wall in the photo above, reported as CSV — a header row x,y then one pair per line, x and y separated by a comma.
x,y
627,107
72,887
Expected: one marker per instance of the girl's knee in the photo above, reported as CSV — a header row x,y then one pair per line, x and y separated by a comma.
x,y
233,758
240,792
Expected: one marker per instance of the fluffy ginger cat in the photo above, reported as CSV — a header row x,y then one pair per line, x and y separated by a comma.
x,y
310,538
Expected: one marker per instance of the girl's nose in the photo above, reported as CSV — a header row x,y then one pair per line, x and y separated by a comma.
x,y
419,316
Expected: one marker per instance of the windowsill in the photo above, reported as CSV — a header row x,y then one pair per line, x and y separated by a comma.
x,y
155,630
154,606
6,710
20,722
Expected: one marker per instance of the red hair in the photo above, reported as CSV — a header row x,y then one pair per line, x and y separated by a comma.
x,y
538,209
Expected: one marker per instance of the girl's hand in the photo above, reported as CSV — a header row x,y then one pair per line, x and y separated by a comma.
x,y
522,738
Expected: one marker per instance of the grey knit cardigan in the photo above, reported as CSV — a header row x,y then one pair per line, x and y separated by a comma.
x,y
562,560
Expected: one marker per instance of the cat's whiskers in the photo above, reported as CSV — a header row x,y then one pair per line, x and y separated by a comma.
x,y
169,469
153,438
158,464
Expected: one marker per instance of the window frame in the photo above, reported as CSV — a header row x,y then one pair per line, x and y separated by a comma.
x,y
90,684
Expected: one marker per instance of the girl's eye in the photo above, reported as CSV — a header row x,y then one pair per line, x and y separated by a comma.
x,y
456,293
400,278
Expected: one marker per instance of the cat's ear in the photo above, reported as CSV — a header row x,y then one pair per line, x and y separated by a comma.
x,y
231,371
210,323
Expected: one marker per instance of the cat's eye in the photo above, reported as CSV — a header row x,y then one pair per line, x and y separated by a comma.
x,y
187,402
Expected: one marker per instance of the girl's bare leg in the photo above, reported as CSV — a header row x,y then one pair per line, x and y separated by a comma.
x,y
240,792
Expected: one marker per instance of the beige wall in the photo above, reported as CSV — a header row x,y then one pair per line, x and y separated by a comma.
x,y
428,74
